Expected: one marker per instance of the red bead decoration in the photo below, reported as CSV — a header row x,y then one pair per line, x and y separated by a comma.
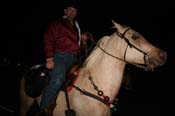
x,y
106,98
100,93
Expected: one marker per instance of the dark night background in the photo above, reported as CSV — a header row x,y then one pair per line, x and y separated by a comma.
x,y
23,25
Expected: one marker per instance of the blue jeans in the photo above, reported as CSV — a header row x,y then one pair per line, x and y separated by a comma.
x,y
63,61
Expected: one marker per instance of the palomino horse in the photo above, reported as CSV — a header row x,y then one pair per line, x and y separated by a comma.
x,y
99,80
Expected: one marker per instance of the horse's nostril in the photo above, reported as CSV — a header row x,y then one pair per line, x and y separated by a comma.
x,y
163,55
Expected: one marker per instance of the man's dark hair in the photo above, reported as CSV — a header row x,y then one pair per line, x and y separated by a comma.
x,y
71,3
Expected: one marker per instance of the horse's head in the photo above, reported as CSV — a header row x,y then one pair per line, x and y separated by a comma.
x,y
138,50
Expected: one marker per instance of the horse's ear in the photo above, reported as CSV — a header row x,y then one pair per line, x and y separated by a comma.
x,y
113,24
118,26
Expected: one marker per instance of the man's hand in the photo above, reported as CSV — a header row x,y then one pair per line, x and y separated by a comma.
x,y
85,36
50,63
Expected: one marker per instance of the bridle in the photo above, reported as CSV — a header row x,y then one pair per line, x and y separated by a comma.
x,y
122,36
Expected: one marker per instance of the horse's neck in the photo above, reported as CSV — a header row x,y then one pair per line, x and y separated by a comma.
x,y
107,71
107,74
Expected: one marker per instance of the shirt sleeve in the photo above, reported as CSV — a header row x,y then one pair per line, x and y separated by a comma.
x,y
49,41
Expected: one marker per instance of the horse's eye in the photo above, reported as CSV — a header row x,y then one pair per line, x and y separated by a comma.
x,y
134,36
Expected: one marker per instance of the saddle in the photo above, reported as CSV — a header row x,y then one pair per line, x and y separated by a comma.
x,y
72,73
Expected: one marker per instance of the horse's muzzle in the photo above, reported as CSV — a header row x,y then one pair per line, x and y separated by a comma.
x,y
154,61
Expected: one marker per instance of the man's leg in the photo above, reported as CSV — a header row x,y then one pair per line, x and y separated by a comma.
x,y
57,78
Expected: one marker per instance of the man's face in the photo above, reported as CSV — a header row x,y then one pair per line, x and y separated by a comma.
x,y
70,12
